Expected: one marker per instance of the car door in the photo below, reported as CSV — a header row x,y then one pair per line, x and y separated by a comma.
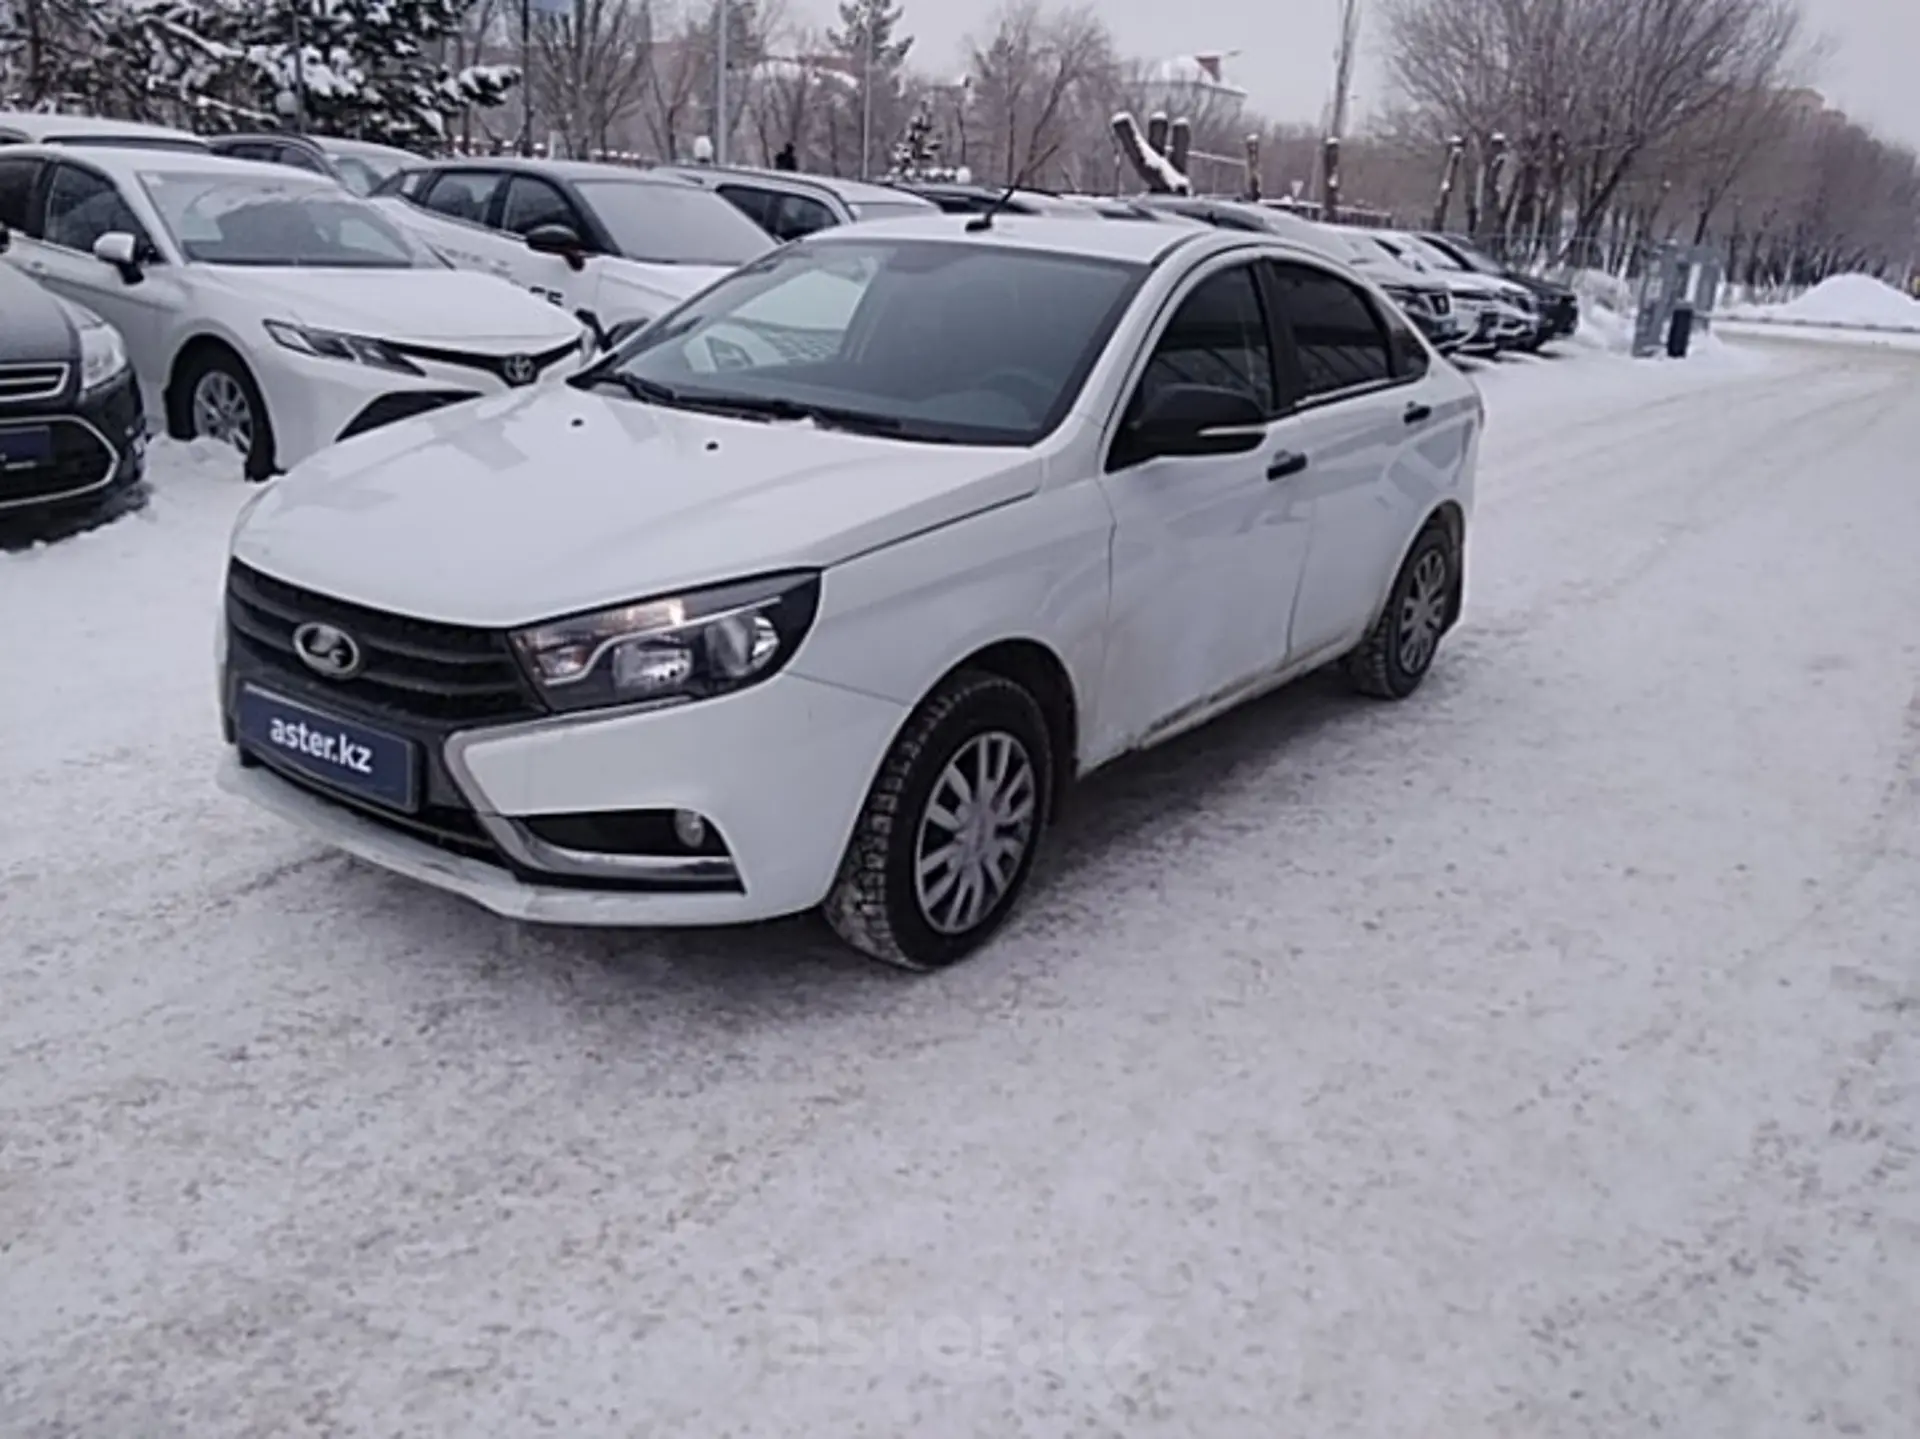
x,y
1207,551
77,205
453,211
529,204
1359,417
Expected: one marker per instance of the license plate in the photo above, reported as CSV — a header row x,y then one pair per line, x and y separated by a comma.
x,y
20,448
342,754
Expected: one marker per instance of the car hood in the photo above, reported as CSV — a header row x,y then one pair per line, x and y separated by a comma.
x,y
527,506
35,325
423,307
643,290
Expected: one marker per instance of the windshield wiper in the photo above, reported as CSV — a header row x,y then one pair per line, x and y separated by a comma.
x,y
648,392
652,392
826,416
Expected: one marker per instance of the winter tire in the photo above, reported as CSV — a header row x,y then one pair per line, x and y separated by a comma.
x,y
948,835
216,398
1398,651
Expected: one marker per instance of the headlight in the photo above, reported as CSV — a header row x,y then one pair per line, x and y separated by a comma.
x,y
332,345
682,647
103,355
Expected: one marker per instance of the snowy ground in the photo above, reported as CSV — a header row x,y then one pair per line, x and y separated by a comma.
x,y
1536,1058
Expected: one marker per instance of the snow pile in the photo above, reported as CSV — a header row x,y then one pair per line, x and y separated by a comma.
x,y
1842,300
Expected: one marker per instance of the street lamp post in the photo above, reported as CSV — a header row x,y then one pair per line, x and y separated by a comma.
x,y
866,101
720,116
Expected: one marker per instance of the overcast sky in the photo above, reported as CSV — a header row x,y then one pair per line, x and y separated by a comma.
x,y
1286,60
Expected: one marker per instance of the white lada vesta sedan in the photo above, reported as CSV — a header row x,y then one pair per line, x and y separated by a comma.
x,y
821,590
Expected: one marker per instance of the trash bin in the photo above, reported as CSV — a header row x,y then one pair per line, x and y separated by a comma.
x,y
1680,332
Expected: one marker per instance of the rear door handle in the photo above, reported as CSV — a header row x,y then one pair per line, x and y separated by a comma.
x,y
1287,462
1418,414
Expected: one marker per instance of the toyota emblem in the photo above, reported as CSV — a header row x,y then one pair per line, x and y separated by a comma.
x,y
328,651
519,370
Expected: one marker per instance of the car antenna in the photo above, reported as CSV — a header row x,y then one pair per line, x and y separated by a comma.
x,y
984,220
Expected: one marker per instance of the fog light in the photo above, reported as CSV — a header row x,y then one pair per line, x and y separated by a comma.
x,y
689,828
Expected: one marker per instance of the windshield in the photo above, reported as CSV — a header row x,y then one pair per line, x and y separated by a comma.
x,y
360,170
673,225
268,221
1438,258
1469,258
929,340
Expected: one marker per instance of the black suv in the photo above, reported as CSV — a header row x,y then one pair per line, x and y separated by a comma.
x,y
1558,304
72,431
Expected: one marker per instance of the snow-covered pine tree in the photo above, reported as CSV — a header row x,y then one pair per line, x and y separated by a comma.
x,y
368,68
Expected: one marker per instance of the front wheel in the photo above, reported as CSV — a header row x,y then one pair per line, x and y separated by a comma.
x,y
950,829
216,398
1398,651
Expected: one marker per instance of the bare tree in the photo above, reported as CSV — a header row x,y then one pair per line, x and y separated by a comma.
x,y
590,70
1034,80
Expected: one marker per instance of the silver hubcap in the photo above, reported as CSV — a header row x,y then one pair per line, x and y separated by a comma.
x,y
221,411
1423,612
978,825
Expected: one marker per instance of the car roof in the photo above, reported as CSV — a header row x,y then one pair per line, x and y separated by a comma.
x,y
854,192
123,162
1089,235
47,128
574,170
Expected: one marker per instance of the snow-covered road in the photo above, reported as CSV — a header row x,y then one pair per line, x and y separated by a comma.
x,y
1536,1058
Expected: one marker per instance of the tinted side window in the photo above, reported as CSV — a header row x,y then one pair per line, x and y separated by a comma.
x,y
1336,333
1218,337
796,215
755,204
300,159
83,206
461,195
1409,356
16,192
532,203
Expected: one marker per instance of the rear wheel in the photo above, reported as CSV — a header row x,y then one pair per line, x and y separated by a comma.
x,y
1398,651
949,832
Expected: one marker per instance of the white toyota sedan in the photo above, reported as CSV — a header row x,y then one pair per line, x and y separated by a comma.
x,y
612,245
265,308
819,592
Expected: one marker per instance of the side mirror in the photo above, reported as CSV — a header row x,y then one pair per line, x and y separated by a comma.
x,y
558,240
1193,420
120,250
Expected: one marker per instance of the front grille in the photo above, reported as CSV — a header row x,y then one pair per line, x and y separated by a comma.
x,y
80,461
31,382
495,365
402,405
420,669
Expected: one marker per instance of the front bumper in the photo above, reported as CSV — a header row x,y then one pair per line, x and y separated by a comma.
x,y
315,402
779,771
101,441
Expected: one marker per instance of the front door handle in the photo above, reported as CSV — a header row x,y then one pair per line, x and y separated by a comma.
x,y
1287,462
1418,414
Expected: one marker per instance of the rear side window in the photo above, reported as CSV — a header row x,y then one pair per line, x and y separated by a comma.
x,y
755,204
462,194
1339,337
16,192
